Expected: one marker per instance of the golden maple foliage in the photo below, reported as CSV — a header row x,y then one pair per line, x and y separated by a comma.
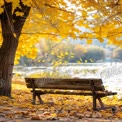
x,y
54,19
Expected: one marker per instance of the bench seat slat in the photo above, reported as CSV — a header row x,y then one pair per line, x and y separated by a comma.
x,y
100,94
39,85
65,83
71,87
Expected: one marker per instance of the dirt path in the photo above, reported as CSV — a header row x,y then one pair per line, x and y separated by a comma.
x,y
15,114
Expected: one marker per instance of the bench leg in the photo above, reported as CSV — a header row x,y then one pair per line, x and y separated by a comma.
x,y
40,99
102,107
94,103
101,103
109,107
34,99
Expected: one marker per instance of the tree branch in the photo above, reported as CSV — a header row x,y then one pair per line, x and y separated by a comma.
x,y
51,6
6,18
20,20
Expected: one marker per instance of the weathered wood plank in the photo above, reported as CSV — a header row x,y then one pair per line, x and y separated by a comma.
x,y
70,87
42,82
85,93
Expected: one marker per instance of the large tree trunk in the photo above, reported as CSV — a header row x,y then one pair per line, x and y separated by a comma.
x,y
11,33
7,55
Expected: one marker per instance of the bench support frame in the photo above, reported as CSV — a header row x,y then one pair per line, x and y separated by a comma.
x,y
94,95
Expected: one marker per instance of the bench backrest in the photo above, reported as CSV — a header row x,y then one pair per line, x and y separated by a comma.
x,y
70,84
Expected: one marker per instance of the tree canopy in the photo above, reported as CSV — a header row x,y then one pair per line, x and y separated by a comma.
x,y
101,19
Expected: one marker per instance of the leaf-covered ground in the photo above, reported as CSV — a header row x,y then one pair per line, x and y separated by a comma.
x,y
57,108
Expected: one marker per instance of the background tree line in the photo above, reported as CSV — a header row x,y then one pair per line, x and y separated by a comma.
x,y
60,52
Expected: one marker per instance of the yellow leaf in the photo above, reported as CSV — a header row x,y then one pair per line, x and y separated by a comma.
x,y
72,56
19,13
66,53
86,61
61,115
52,53
95,15
1,10
27,2
79,62
38,117
14,35
8,1
43,60
100,39
81,59
84,13
54,115
91,60
89,41
39,61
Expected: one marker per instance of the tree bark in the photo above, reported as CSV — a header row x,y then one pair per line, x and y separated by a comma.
x,y
11,31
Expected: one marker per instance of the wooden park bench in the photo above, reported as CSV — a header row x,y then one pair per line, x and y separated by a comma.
x,y
87,87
